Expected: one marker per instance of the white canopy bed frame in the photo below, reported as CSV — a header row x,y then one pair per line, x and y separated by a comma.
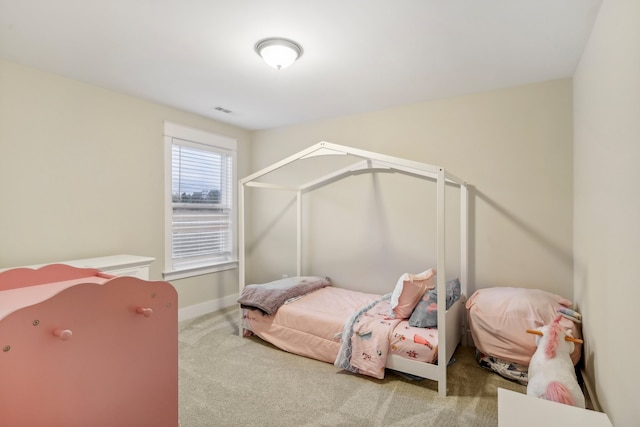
x,y
450,322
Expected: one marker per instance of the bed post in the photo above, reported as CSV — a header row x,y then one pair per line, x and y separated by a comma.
x,y
464,252
440,283
299,235
241,260
464,236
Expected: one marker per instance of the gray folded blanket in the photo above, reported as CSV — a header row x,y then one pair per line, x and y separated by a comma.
x,y
270,296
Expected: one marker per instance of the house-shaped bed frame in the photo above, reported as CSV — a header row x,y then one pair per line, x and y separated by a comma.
x,y
450,322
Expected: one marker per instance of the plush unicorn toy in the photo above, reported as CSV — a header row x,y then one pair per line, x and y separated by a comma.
x,y
551,372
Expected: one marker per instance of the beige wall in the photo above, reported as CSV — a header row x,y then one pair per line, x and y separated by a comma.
x,y
81,174
514,146
607,206
75,154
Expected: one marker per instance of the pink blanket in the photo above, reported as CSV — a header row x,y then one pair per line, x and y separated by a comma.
x,y
500,316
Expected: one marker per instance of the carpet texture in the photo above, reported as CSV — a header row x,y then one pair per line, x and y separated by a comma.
x,y
226,380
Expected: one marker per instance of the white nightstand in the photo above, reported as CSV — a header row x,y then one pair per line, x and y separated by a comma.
x,y
520,410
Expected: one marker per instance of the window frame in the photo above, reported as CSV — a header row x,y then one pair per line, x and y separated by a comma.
x,y
182,135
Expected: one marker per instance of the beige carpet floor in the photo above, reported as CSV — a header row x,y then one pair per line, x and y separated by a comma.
x,y
226,380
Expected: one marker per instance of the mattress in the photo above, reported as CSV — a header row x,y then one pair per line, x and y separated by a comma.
x,y
311,326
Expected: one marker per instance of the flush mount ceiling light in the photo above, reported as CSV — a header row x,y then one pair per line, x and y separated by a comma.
x,y
278,53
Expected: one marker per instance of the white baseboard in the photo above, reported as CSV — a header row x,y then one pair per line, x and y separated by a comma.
x,y
207,307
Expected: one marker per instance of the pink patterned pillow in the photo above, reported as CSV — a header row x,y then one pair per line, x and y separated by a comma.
x,y
408,291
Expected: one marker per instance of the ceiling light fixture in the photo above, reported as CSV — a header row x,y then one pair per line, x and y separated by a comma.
x,y
277,52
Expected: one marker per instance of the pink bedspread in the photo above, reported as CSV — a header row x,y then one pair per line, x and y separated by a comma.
x,y
499,318
312,326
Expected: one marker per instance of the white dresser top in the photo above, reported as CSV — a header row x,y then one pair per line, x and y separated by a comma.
x,y
102,263
520,410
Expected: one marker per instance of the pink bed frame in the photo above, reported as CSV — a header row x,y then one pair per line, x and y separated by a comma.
x,y
81,348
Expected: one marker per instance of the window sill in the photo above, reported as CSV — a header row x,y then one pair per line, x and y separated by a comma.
x,y
198,271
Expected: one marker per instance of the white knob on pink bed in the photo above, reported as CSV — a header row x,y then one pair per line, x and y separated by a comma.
x,y
63,334
146,312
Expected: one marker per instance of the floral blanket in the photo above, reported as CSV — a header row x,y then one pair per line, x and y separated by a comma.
x,y
365,339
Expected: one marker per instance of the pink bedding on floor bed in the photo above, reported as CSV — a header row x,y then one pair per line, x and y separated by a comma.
x,y
500,316
312,325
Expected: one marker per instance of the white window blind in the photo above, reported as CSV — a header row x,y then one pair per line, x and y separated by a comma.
x,y
201,229
201,199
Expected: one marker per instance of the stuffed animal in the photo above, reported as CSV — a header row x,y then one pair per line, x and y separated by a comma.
x,y
551,372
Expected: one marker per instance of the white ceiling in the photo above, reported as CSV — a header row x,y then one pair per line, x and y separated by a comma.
x,y
359,55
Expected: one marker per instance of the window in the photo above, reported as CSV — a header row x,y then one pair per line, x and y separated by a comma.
x,y
200,187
